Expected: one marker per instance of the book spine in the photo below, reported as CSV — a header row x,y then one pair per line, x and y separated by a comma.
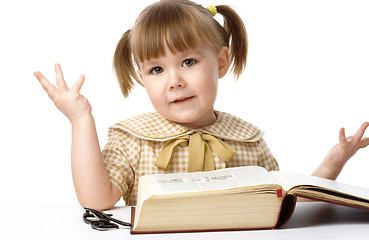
x,y
287,209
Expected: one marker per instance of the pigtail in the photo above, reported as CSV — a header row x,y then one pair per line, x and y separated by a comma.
x,y
123,65
236,38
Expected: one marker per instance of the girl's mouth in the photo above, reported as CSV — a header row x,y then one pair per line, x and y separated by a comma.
x,y
183,99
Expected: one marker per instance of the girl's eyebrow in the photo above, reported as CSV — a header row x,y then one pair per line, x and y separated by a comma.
x,y
151,63
157,61
196,51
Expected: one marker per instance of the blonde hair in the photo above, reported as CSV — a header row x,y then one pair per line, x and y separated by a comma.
x,y
180,25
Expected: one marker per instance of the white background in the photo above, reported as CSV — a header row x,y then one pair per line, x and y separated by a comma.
x,y
306,77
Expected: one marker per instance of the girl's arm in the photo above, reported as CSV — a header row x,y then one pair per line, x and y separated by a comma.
x,y
91,180
337,157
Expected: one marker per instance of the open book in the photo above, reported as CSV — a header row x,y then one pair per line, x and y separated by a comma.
x,y
231,199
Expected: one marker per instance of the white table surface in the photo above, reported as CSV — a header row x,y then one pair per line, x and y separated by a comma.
x,y
311,220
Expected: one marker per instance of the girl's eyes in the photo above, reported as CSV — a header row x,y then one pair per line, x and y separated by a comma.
x,y
157,70
188,62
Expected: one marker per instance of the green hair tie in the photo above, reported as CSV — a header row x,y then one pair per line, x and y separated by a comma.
x,y
212,9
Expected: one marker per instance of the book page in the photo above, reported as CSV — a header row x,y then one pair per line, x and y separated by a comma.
x,y
290,180
213,180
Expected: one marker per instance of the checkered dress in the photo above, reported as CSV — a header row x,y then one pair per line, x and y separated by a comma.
x,y
134,145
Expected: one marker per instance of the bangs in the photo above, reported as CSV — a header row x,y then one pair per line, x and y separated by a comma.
x,y
178,27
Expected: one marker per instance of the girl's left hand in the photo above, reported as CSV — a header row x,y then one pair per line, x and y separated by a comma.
x,y
338,156
347,147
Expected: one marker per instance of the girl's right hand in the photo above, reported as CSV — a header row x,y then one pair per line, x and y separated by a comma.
x,y
68,100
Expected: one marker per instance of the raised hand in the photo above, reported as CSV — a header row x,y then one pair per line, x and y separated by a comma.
x,y
338,156
91,180
68,100
347,147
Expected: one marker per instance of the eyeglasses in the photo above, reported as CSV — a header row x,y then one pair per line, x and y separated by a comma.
x,y
102,221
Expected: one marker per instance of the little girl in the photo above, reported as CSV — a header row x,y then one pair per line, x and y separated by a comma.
x,y
177,51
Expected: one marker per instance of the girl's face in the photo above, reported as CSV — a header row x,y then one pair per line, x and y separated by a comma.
x,y
183,87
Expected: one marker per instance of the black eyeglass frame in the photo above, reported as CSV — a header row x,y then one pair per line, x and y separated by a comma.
x,y
102,221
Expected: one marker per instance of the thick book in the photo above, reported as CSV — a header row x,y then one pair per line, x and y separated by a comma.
x,y
238,198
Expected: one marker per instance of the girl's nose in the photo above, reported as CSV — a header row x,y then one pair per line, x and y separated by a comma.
x,y
177,85
176,81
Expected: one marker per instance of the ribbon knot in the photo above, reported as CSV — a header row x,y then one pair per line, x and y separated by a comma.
x,y
200,146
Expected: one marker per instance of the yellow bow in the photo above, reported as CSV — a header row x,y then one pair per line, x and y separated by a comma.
x,y
199,151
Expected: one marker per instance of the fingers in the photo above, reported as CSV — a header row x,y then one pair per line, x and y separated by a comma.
x,y
60,83
342,136
47,86
360,132
78,84
364,142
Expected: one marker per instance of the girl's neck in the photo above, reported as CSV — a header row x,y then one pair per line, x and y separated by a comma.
x,y
207,120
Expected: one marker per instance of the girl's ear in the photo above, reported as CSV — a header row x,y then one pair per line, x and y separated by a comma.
x,y
223,62
140,75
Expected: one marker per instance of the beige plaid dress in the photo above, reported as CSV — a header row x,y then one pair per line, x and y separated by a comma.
x,y
135,144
